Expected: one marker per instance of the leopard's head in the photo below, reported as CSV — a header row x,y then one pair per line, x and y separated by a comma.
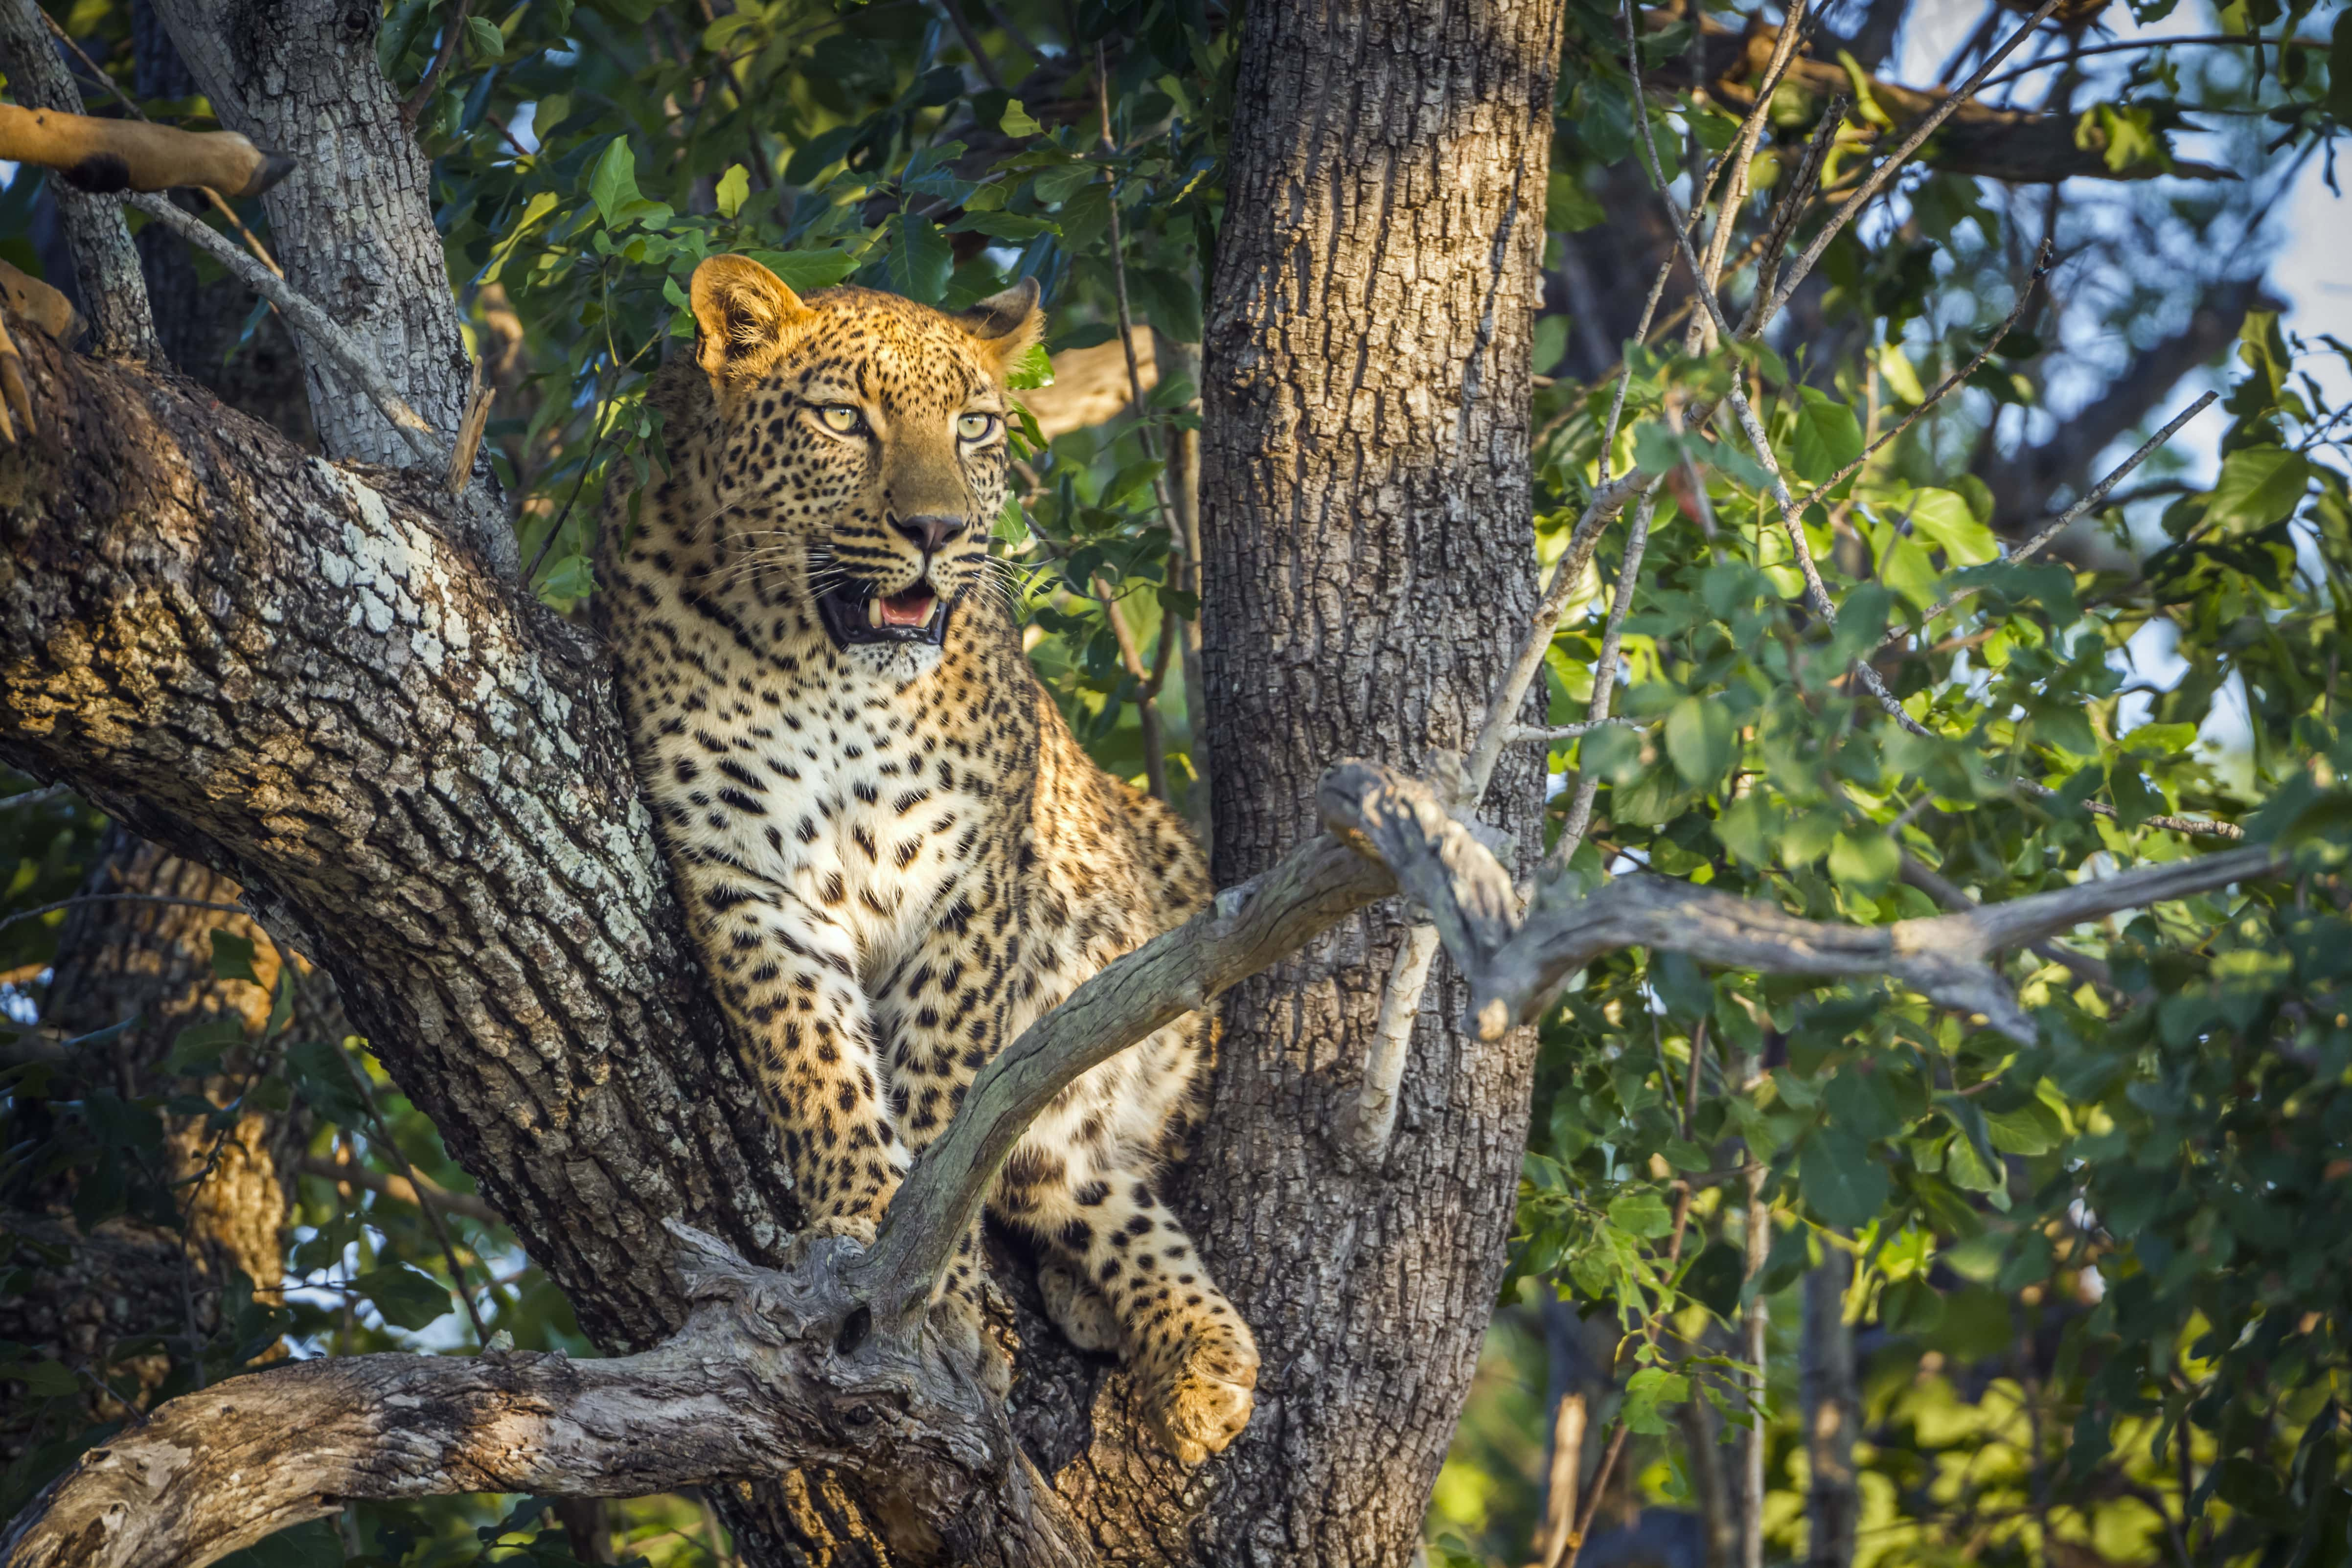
x,y
861,447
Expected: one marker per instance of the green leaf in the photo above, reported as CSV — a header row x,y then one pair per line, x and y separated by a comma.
x,y
488,40
233,956
2259,485
1642,1213
1060,185
573,577
1701,740
200,1044
1568,207
1869,859
921,258
314,1544
48,1379
1826,437
1015,226
1861,1104
1946,516
804,271
317,1071
2031,1129
613,182
1844,1185
408,1298
1017,121
734,187
1647,1392
1033,370
1749,827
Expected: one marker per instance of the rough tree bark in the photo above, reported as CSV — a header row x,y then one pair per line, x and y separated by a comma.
x,y
1365,505
198,324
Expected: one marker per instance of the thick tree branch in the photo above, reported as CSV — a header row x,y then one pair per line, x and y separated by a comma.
x,y
287,671
762,1380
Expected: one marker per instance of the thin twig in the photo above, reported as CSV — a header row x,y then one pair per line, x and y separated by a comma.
x,y
123,898
1605,681
34,797
452,35
1765,310
1146,699
2041,264
1559,732
1618,1432
423,1205
430,445
971,44
400,1189
1131,655
2083,54
2091,501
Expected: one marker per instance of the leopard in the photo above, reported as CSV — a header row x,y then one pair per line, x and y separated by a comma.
x,y
893,852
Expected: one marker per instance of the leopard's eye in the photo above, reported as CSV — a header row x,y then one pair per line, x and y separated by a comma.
x,y
841,419
976,426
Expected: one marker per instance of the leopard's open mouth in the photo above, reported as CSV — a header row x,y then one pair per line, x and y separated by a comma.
x,y
854,613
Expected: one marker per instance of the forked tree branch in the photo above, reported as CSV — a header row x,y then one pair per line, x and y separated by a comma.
x,y
1514,966
756,1383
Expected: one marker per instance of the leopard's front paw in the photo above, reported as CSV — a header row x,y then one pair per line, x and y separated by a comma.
x,y
1199,1391
1077,1309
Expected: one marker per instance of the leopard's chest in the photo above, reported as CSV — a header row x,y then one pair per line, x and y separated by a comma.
x,y
844,793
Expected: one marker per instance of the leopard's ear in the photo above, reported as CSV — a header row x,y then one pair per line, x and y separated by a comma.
x,y
747,318
1002,326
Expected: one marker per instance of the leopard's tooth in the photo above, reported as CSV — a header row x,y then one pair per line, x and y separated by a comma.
x,y
874,610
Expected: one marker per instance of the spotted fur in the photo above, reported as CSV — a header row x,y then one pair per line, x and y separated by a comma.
x,y
896,857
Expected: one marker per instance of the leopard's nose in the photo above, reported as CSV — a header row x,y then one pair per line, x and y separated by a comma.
x,y
931,532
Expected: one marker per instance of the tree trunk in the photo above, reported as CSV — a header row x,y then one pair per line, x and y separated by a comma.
x,y
198,324
151,965
353,222
1833,1411
1365,501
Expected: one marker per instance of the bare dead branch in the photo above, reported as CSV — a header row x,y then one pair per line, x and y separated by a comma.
x,y
758,1382
1953,897
1555,733
1514,966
